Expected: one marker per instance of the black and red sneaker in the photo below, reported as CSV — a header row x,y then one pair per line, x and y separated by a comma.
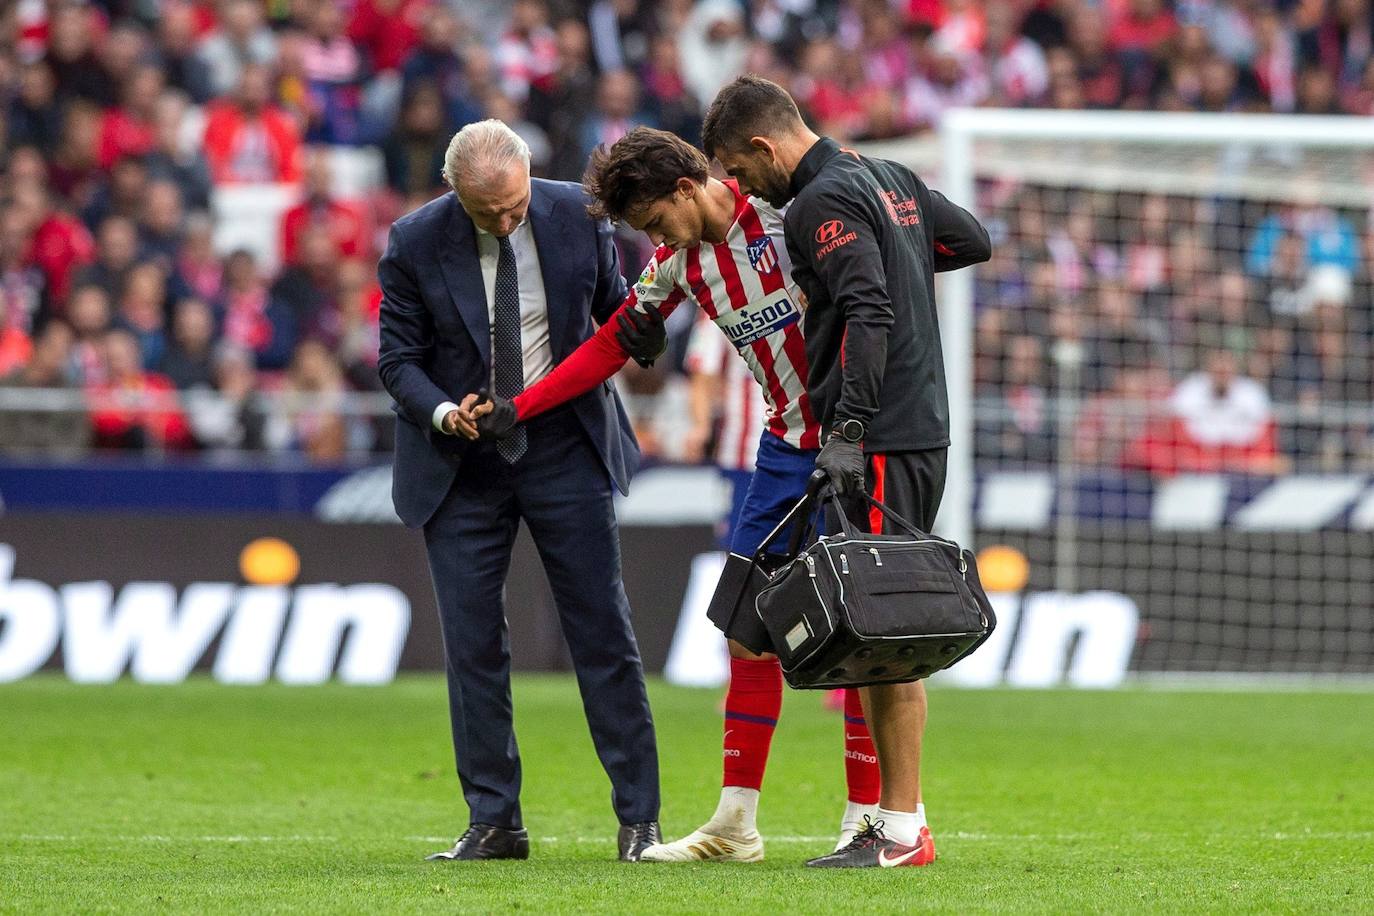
x,y
871,848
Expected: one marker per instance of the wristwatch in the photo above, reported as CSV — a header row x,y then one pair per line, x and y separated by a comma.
x,y
849,430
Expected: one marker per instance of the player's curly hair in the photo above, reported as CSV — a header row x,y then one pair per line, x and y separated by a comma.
x,y
637,170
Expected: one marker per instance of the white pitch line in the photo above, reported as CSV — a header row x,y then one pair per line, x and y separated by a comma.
x,y
784,838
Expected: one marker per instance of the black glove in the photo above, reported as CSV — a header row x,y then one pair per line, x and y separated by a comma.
x,y
843,463
642,334
500,423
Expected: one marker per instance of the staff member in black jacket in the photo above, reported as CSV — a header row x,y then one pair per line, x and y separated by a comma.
x,y
865,237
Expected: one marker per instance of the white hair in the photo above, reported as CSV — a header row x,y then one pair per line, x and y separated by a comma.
x,y
482,150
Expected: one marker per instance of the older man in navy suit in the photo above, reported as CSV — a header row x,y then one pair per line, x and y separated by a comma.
x,y
487,288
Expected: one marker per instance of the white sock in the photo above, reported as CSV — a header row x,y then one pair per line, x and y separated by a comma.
x,y
854,813
737,812
903,826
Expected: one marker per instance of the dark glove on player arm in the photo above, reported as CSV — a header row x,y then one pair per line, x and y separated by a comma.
x,y
642,334
500,422
843,462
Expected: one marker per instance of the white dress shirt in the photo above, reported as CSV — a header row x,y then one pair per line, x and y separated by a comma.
x,y
534,309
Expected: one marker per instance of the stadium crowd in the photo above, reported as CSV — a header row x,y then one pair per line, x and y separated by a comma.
x,y
123,122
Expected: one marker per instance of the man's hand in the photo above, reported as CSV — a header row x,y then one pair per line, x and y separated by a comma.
x,y
487,417
843,463
460,422
642,334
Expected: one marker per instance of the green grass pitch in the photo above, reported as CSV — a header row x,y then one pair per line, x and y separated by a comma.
x,y
204,798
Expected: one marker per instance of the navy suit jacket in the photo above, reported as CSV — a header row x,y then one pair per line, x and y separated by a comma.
x,y
436,337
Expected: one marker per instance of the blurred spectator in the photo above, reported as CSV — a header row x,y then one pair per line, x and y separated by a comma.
x,y
23,291
187,360
116,252
75,167
161,224
60,244
71,54
1112,426
414,151
616,114
34,114
386,31
231,415
310,415
49,362
1118,336
527,52
89,314
436,62
185,69
135,410
1016,64
951,79
197,267
142,311
621,31
247,138
252,320
306,288
122,195
1221,422
712,46
1018,427
559,102
242,39
345,221
129,129
172,159
1328,236
357,337
334,69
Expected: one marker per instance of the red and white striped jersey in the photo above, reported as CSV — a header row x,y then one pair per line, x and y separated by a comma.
x,y
744,284
743,407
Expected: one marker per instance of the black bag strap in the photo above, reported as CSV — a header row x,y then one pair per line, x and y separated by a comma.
x,y
801,518
848,527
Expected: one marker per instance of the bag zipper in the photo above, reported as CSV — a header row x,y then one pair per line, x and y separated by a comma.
x,y
877,560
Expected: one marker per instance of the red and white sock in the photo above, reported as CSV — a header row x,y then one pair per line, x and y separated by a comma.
x,y
752,705
860,756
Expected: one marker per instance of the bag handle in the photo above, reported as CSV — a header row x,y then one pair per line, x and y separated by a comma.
x,y
848,527
800,517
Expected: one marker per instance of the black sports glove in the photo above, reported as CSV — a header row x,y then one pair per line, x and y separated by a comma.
x,y
843,463
500,423
642,334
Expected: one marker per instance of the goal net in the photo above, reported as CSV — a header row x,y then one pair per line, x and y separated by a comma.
x,y
1161,390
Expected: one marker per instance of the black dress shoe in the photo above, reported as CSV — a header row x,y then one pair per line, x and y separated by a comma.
x,y
485,841
635,838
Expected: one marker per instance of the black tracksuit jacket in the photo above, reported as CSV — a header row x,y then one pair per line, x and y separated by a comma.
x,y
866,237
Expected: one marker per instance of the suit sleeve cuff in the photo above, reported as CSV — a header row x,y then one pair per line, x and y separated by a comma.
x,y
440,412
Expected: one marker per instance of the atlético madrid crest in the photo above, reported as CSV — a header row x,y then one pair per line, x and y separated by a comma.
x,y
763,255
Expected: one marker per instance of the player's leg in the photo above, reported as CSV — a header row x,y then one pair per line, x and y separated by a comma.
x,y
753,699
861,773
469,542
911,484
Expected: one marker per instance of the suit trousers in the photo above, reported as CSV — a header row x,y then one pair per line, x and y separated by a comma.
x,y
561,490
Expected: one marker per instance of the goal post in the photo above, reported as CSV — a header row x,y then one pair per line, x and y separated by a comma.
x,y
1161,389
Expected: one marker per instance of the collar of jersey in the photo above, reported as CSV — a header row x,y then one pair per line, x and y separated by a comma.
x,y
821,152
